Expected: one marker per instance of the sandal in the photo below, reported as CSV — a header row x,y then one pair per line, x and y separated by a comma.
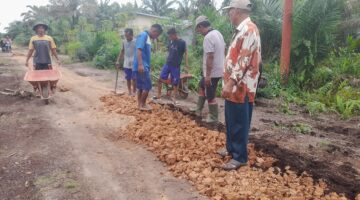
x,y
233,165
146,108
223,152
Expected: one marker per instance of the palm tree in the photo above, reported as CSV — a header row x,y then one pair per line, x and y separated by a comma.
x,y
314,26
186,8
267,14
351,22
35,13
158,7
61,8
201,4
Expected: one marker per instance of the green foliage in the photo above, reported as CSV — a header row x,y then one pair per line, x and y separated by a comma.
x,y
315,24
347,107
334,85
302,128
267,15
274,87
106,55
158,7
315,107
285,108
72,47
158,59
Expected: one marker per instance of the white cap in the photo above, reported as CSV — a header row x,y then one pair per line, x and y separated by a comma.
x,y
242,4
201,19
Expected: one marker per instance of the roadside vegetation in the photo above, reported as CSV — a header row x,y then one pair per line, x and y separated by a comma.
x,y
325,68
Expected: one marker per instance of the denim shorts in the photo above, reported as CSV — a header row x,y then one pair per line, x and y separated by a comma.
x,y
174,73
143,80
129,74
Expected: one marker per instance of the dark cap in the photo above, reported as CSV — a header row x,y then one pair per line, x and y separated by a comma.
x,y
40,24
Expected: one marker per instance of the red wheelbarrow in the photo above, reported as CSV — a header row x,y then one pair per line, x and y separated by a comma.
x,y
43,81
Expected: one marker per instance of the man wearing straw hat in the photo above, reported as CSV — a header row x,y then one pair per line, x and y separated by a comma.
x,y
44,46
241,74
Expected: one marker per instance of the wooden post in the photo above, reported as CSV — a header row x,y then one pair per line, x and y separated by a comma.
x,y
286,40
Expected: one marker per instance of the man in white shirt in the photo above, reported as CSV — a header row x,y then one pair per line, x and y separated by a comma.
x,y
127,55
212,69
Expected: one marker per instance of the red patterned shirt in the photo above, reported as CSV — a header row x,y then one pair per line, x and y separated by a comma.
x,y
242,62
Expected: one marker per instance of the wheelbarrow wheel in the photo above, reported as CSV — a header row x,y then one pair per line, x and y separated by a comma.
x,y
183,94
45,91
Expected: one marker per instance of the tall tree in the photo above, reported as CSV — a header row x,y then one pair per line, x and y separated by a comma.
x,y
61,8
159,7
186,8
201,4
89,9
35,13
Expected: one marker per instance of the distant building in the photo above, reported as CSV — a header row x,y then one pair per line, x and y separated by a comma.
x,y
142,21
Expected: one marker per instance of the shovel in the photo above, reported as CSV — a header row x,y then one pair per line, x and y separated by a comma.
x,y
116,83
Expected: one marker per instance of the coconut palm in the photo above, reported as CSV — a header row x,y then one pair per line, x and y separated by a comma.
x,y
61,8
267,14
314,26
186,8
35,13
158,7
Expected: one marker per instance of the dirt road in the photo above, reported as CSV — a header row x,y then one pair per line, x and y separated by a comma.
x,y
75,148
64,150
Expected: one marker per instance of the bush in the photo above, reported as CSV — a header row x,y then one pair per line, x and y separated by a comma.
x,y
315,108
106,56
109,48
71,49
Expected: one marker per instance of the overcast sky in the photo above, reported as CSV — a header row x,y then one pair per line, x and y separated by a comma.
x,y
12,9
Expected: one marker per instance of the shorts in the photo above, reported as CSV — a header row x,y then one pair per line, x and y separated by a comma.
x,y
143,80
210,92
44,66
129,74
174,73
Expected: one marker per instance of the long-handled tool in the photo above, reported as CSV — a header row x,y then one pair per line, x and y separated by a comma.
x,y
117,78
116,83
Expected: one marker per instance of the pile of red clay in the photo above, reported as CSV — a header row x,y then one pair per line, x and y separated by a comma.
x,y
190,152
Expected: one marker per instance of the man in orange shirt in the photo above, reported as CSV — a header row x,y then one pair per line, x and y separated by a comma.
x,y
241,74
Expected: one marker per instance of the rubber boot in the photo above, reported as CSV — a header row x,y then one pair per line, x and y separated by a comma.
x,y
199,106
213,116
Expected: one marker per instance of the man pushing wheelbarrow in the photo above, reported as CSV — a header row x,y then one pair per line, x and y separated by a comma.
x,y
42,74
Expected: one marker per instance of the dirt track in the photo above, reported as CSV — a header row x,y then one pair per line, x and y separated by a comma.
x,y
71,150
64,150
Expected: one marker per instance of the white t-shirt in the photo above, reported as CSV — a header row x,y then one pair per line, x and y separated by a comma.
x,y
214,43
129,48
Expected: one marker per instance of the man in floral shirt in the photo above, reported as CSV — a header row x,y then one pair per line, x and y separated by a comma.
x,y
241,74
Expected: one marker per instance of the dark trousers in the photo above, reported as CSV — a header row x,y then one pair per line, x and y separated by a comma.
x,y
210,92
42,66
238,120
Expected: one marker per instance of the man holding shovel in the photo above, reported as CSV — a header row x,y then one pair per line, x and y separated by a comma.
x,y
241,74
127,56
